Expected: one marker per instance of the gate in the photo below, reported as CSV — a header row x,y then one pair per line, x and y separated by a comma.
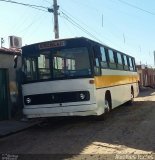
x,y
4,92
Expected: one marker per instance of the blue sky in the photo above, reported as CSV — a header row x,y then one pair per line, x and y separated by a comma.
x,y
124,28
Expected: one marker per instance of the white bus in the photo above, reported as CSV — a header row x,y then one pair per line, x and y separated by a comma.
x,y
75,77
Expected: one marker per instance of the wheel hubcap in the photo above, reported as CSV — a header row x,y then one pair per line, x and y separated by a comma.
x,y
107,107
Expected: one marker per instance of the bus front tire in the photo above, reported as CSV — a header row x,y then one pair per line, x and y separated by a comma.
x,y
107,109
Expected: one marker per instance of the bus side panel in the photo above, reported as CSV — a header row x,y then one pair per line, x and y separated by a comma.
x,y
119,83
119,95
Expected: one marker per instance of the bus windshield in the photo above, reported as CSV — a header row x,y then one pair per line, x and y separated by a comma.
x,y
57,64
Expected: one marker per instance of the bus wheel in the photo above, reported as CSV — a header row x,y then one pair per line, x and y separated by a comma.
x,y
107,109
132,95
102,117
107,106
130,102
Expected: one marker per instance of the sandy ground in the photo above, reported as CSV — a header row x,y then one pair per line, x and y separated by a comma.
x,y
127,130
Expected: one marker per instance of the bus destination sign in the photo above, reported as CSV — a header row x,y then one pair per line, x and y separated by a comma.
x,y
55,44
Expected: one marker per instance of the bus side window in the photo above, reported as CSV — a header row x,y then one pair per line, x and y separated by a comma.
x,y
97,68
97,59
134,65
112,61
119,61
103,58
125,62
130,64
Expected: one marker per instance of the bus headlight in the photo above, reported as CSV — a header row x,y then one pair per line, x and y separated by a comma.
x,y
82,96
28,100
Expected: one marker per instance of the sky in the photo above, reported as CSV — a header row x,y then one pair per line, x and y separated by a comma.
x,y
126,25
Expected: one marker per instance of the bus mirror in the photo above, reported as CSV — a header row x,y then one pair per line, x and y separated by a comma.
x,y
15,61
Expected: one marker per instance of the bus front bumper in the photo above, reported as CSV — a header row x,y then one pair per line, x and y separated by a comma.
x,y
82,110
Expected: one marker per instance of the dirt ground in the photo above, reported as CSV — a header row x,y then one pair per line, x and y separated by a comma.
x,y
127,130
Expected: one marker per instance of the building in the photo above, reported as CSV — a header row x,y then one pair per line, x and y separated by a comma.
x,y
9,83
146,76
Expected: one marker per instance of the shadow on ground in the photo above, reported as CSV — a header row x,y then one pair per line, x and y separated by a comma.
x,y
125,127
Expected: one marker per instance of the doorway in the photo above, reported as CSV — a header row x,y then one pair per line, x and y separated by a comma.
x,y
4,95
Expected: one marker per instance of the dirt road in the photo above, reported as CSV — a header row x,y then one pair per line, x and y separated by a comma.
x,y
127,130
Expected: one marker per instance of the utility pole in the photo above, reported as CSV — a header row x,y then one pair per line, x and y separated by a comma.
x,y
56,23
54,10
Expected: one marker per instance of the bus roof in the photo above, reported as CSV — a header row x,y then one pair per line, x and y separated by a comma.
x,y
66,39
60,43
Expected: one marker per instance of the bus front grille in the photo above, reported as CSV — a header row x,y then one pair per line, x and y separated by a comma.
x,y
52,98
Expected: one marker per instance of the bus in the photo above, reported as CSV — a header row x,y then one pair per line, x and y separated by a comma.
x,y
75,77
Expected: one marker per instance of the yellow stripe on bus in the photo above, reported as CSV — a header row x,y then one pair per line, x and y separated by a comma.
x,y
113,80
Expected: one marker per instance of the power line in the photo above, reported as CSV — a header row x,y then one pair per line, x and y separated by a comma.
x,y
79,26
38,9
27,27
102,21
69,14
30,5
83,29
27,32
70,30
136,7
42,8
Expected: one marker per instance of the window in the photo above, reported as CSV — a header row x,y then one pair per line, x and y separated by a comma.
x,y
111,56
103,56
112,63
58,63
61,63
97,67
72,62
119,60
125,62
44,66
29,69
134,65
130,64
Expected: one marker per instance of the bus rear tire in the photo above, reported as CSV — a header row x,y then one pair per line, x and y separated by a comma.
x,y
107,106
130,102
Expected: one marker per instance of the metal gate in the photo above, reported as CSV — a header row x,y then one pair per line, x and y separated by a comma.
x,y
4,92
